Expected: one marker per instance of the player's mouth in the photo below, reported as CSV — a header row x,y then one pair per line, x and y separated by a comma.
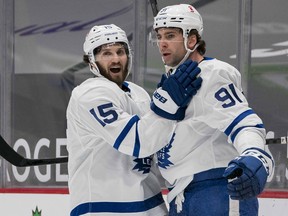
x,y
165,53
115,69
166,56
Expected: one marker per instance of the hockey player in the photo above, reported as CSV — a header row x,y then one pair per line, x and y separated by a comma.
x,y
215,163
112,133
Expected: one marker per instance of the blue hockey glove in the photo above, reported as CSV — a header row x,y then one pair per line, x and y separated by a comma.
x,y
184,83
163,78
249,173
171,100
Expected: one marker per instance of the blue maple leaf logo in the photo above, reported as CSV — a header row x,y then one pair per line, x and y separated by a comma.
x,y
143,164
163,155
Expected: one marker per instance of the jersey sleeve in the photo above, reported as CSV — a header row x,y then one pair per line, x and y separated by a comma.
x,y
225,107
112,117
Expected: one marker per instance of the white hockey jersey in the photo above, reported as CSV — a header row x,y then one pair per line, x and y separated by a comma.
x,y
211,135
102,120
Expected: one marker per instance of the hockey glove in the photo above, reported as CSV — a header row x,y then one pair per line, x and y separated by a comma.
x,y
171,100
249,173
163,78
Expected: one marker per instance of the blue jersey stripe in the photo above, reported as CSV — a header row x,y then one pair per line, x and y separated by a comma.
x,y
237,120
233,136
125,131
137,143
118,207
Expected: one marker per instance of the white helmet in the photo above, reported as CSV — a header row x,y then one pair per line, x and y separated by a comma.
x,y
104,34
182,16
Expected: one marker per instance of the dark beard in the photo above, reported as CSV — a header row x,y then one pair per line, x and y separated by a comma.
x,y
106,74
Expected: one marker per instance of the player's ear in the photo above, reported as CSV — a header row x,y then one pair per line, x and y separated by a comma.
x,y
191,41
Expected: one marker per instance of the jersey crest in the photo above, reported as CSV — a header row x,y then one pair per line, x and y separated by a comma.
x,y
143,164
163,155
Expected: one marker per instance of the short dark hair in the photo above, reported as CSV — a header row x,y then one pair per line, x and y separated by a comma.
x,y
86,58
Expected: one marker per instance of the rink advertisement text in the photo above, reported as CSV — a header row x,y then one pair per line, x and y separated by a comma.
x,y
44,175
57,174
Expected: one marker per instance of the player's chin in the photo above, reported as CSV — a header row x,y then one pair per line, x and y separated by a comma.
x,y
167,59
117,78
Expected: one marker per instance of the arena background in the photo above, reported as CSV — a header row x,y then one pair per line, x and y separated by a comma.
x,y
41,62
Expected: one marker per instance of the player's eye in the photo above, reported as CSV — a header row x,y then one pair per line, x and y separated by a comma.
x,y
121,52
170,36
106,53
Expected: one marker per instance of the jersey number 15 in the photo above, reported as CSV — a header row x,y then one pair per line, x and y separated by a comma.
x,y
107,115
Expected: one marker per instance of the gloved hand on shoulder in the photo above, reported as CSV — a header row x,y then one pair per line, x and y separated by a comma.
x,y
249,173
175,92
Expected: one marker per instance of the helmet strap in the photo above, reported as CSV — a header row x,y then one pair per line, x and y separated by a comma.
x,y
168,69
